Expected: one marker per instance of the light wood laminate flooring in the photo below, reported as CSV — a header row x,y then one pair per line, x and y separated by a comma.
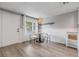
x,y
28,49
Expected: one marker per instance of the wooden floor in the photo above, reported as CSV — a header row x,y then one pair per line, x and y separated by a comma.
x,y
27,49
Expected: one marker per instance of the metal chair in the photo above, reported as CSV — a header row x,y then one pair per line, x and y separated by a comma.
x,y
44,37
33,37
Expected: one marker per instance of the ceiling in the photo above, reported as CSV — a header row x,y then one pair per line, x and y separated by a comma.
x,y
40,9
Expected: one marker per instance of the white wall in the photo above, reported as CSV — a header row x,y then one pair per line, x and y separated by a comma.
x,y
63,23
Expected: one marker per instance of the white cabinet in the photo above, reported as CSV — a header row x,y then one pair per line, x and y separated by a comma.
x,y
10,27
0,29
78,41
72,39
78,17
10,31
78,34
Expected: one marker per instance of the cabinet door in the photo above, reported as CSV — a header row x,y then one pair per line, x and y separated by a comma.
x,y
10,26
78,33
78,17
0,29
78,41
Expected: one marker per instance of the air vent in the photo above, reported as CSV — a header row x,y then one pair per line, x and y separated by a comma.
x,y
65,3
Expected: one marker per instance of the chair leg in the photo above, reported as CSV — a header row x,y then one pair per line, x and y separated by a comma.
x,y
30,41
34,41
47,40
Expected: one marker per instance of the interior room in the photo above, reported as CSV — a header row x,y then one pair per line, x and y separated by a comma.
x,y
39,29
